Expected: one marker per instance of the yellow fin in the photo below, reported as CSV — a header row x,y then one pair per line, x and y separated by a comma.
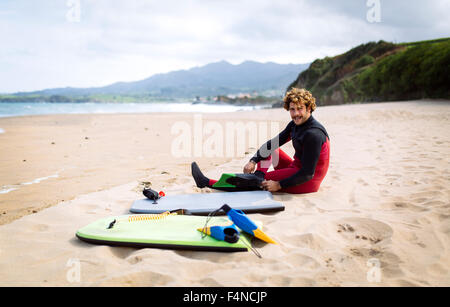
x,y
206,230
262,236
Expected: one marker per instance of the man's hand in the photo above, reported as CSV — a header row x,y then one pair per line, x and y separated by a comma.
x,y
249,167
271,186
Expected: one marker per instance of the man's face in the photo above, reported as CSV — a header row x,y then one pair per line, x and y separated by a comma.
x,y
299,113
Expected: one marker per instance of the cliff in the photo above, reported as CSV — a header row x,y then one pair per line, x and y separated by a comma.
x,y
380,71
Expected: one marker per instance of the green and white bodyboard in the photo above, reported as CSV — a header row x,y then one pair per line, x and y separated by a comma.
x,y
154,231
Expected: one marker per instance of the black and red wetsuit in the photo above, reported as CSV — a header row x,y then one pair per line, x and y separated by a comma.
x,y
305,172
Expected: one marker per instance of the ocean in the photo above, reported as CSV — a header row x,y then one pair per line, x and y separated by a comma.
x,y
43,108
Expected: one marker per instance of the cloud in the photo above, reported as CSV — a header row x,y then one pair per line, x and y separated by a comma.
x,y
118,40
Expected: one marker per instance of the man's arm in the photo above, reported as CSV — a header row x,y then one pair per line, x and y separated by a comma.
x,y
271,145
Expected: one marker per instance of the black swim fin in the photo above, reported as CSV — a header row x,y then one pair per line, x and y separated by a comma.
x,y
250,181
229,182
151,194
200,180
239,182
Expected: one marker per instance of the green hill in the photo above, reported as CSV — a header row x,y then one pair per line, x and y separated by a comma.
x,y
381,71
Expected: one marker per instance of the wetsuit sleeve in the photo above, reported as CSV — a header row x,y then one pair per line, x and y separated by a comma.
x,y
313,142
271,145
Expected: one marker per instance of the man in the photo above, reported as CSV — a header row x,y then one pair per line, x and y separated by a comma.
x,y
305,172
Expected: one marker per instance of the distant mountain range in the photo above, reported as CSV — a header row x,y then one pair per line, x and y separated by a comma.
x,y
220,78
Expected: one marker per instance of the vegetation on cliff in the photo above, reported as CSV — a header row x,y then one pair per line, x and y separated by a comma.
x,y
381,71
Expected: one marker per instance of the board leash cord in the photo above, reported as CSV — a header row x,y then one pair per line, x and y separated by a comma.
x,y
142,218
149,217
205,227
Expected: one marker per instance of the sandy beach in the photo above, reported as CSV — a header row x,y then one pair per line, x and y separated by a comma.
x,y
380,218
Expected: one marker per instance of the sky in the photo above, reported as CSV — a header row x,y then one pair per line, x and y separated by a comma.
x,y
90,43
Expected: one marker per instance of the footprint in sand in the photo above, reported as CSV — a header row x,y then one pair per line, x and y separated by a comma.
x,y
120,251
142,278
91,209
366,238
209,282
362,182
435,203
40,227
172,180
297,259
403,205
134,259
415,202
364,230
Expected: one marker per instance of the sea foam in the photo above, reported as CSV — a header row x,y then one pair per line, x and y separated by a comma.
x,y
9,188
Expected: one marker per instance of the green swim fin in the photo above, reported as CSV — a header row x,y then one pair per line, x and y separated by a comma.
x,y
239,182
222,182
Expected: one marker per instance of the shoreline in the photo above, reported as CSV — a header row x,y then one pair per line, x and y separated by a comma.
x,y
213,104
20,109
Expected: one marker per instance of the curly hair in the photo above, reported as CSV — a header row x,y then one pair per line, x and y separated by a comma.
x,y
299,96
